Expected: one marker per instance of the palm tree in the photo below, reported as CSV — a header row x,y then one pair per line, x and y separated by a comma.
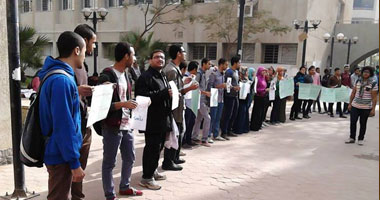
x,y
31,49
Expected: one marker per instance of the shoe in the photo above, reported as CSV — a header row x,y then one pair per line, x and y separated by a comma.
x,y
232,135
131,192
342,116
113,198
206,144
209,140
197,141
187,146
150,184
179,161
193,144
219,139
349,141
331,115
297,117
265,123
360,142
172,167
224,136
306,116
159,176
292,118
181,153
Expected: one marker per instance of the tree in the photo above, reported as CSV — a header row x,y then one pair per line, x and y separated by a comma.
x,y
223,23
31,49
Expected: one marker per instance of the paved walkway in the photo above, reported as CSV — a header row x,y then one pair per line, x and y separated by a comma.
x,y
299,160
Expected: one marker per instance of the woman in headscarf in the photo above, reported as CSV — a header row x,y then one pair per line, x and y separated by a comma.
x,y
269,77
241,124
261,93
278,110
251,77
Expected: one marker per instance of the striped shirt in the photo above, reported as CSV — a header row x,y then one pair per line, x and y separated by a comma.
x,y
363,96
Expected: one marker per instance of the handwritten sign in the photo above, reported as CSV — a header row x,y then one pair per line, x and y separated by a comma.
x,y
140,113
100,103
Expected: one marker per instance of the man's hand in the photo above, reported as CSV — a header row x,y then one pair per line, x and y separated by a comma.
x,y
78,174
372,113
170,92
131,104
194,86
85,90
221,86
349,107
236,88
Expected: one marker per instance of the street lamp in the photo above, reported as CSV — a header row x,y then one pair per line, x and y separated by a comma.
x,y
102,12
340,39
297,25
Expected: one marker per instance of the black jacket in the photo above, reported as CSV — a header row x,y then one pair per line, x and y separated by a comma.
x,y
154,84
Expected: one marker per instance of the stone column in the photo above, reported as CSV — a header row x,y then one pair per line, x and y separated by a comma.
x,y
5,108
258,52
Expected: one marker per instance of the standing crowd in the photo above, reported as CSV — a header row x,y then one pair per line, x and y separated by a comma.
x,y
64,100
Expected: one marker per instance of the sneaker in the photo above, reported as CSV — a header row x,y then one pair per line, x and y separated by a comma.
x,y
131,192
219,139
150,184
349,141
206,144
360,142
209,140
159,176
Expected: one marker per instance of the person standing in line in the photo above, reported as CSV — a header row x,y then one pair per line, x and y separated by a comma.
x,y
116,129
325,83
355,76
189,114
299,78
203,111
153,84
231,102
346,81
261,91
241,124
317,81
362,104
59,112
216,80
306,108
173,73
279,105
336,82
269,77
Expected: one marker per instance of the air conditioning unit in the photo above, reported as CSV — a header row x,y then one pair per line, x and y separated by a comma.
x,y
248,11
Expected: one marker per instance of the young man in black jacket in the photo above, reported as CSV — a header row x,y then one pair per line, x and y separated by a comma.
x,y
116,129
153,83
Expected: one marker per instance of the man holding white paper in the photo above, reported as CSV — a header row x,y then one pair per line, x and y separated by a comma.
x,y
116,129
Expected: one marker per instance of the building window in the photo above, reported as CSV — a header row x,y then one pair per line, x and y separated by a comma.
x,y
206,1
27,6
248,53
363,4
288,54
200,51
270,53
66,5
87,3
117,3
108,49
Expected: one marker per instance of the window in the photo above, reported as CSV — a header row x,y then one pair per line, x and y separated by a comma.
x,y
43,5
27,5
270,53
199,51
117,3
248,53
288,54
363,4
87,3
206,1
66,5
108,49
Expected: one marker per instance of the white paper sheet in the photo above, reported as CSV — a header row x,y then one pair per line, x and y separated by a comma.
x,y
214,97
272,95
244,89
175,95
140,113
100,103
229,84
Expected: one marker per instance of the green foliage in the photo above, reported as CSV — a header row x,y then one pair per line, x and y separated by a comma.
x,y
31,49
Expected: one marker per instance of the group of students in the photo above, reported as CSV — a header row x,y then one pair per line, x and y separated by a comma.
x,y
64,99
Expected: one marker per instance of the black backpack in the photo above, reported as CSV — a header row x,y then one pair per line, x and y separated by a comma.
x,y
32,144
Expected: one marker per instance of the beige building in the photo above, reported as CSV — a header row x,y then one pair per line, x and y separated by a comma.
x,y
52,17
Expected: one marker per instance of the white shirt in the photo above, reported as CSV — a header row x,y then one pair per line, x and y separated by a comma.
x,y
123,90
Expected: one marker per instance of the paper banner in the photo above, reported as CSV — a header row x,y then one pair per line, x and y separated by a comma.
x,y
100,103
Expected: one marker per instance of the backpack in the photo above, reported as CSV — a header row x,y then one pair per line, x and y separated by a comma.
x,y
32,144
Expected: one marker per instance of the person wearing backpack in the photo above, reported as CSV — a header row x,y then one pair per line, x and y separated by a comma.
x,y
60,116
116,129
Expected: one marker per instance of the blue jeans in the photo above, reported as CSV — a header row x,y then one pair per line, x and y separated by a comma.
x,y
216,114
112,140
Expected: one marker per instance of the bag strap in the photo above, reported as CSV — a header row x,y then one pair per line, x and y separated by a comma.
x,y
56,71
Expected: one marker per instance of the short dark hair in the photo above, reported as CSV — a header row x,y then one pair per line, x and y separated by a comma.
x,y
205,61
326,71
67,42
156,51
370,69
221,61
302,67
336,69
86,31
192,65
356,68
182,65
311,67
121,49
173,51
317,68
235,59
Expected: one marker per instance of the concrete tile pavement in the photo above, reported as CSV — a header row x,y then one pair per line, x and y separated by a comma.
x,y
299,160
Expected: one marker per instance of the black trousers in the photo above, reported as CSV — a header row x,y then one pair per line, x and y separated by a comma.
x,y
296,105
154,143
355,114
230,110
257,113
318,103
306,107
282,111
338,108
190,121
275,114
345,107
